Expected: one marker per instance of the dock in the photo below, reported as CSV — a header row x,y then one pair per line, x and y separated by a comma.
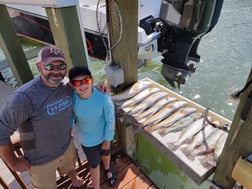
x,y
128,173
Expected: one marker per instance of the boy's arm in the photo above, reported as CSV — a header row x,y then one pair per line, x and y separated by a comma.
x,y
109,110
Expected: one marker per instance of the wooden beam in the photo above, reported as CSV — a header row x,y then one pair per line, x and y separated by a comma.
x,y
238,142
122,18
67,34
43,3
12,49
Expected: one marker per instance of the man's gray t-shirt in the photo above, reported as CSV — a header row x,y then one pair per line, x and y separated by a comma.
x,y
42,116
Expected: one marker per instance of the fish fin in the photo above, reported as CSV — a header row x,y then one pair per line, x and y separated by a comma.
x,y
235,95
207,161
134,115
187,151
127,109
191,157
149,129
162,131
172,146
205,152
141,120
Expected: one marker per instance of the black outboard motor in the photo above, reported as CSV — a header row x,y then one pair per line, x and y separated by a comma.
x,y
182,23
217,10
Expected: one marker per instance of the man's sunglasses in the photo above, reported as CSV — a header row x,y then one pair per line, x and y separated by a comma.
x,y
50,67
84,81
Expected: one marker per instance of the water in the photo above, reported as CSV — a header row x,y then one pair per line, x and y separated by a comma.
x,y
226,54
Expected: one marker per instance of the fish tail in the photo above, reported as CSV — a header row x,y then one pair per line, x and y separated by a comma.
x,y
162,131
153,127
141,120
191,156
207,162
186,150
235,95
149,129
172,146
205,152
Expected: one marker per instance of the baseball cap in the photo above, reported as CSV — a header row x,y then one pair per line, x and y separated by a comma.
x,y
50,54
79,71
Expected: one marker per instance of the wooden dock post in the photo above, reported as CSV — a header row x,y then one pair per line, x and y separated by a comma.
x,y
67,33
238,142
122,19
12,49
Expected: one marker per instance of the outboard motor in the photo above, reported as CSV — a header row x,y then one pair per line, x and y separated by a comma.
x,y
182,24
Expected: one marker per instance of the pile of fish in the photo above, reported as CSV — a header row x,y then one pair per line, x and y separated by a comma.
x,y
154,109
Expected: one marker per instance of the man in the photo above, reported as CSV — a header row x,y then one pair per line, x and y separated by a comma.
x,y
41,110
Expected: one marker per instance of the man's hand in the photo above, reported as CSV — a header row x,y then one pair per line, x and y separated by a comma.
x,y
15,163
21,164
103,88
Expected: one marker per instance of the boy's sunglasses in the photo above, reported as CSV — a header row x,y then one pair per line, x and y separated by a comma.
x,y
50,67
84,81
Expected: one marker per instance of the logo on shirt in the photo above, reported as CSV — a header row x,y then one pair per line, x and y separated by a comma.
x,y
59,106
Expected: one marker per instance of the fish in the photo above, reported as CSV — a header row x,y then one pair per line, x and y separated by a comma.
x,y
208,159
139,97
198,139
181,124
157,106
208,146
173,118
219,146
212,159
164,112
187,134
132,91
147,102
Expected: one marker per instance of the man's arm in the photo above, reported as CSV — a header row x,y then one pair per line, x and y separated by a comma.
x,y
15,163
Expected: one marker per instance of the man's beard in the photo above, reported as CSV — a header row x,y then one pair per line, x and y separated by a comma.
x,y
54,81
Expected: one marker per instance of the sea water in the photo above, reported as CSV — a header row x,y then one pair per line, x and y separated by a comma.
x,y
226,54
226,60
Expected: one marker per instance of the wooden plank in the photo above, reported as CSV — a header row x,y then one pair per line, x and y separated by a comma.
x,y
123,37
139,181
238,142
191,167
12,49
3,183
43,3
128,175
128,178
67,34
118,165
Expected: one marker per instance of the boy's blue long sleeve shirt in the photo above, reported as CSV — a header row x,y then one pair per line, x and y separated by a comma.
x,y
94,118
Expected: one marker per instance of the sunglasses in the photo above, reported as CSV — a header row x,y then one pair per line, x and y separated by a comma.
x,y
84,81
50,67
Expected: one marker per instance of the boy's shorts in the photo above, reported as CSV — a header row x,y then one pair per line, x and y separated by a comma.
x,y
93,155
44,176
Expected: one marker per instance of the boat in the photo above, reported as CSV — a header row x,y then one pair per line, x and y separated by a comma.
x,y
170,28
